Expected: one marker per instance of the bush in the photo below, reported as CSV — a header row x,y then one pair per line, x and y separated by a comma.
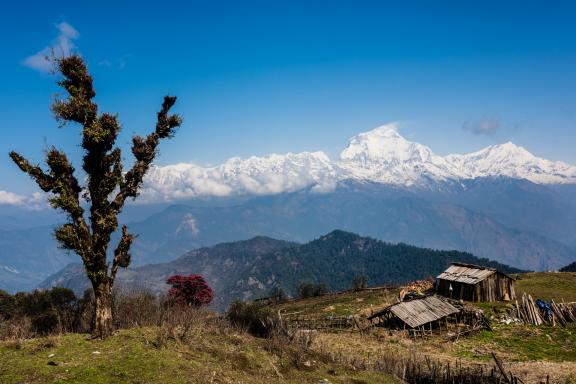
x,y
360,282
58,310
136,308
44,312
55,311
306,290
190,290
256,318
47,322
7,305
278,295
16,328
184,324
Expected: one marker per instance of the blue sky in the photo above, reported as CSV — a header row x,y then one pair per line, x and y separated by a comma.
x,y
255,78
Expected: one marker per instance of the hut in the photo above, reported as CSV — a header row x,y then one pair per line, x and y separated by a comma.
x,y
418,315
475,283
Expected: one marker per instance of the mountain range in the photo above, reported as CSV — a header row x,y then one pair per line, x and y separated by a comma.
x,y
250,269
501,203
381,156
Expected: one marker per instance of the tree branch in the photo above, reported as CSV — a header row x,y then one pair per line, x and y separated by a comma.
x,y
122,254
144,150
78,83
65,185
44,181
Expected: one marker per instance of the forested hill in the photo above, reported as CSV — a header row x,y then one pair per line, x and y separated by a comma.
x,y
251,268
334,259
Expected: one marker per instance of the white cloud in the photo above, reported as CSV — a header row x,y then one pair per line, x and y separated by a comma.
x,y
9,198
487,126
62,46
253,176
119,63
189,225
33,201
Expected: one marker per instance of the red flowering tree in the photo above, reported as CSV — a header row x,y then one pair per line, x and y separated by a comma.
x,y
190,290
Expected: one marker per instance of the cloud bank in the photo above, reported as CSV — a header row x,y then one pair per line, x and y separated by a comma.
x,y
253,176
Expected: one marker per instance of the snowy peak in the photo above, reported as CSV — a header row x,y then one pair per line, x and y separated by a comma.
x,y
383,155
512,161
383,144
502,152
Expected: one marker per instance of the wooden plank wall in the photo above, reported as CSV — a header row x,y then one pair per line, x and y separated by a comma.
x,y
497,287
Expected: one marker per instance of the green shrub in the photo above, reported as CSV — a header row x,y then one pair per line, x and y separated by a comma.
x,y
360,282
306,290
278,294
257,318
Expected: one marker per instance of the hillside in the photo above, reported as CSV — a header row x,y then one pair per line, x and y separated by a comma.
x,y
250,269
548,285
212,355
336,258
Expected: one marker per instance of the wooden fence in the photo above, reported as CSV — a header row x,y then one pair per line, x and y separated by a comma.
x,y
296,321
421,369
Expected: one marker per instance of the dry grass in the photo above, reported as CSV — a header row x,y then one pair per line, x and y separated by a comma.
x,y
188,347
347,303
16,329
392,350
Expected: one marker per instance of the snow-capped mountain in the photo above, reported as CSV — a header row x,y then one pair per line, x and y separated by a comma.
x,y
381,156
512,161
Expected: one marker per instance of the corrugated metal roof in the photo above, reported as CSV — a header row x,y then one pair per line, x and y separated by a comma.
x,y
422,311
467,274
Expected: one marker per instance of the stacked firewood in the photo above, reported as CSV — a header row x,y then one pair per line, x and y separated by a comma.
x,y
527,311
536,313
564,313
416,288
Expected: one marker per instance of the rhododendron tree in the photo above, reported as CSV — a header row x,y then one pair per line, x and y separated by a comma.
x,y
190,290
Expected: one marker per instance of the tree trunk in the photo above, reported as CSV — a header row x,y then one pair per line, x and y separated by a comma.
x,y
102,326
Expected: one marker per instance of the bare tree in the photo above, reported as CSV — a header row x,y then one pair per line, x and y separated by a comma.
x,y
107,185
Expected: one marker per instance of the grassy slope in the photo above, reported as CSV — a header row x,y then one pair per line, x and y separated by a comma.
x,y
523,342
548,285
132,357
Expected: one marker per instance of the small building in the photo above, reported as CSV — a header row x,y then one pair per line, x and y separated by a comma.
x,y
417,316
475,283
